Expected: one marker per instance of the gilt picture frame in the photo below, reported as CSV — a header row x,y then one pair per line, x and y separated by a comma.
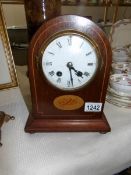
x,y
12,1
8,77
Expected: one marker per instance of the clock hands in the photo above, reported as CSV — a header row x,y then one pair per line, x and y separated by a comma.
x,y
78,73
69,65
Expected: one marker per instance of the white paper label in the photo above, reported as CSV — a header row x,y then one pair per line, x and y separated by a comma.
x,y
93,107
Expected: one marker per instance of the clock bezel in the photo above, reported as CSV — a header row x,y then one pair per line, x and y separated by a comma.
x,y
64,33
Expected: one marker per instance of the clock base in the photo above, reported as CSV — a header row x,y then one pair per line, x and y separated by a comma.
x,y
51,125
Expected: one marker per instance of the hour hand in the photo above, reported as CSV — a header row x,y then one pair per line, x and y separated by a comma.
x,y
78,73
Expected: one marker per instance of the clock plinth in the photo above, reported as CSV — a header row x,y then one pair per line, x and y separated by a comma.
x,y
69,68
44,125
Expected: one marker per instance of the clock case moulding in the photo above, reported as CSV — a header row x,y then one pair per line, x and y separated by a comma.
x,y
45,117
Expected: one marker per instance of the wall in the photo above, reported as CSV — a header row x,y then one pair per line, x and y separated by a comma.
x,y
15,14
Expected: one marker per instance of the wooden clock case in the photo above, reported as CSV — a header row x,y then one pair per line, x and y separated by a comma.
x,y
44,116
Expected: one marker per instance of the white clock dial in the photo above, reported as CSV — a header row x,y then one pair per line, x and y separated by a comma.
x,y
69,61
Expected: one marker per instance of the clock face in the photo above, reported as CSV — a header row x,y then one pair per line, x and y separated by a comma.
x,y
69,61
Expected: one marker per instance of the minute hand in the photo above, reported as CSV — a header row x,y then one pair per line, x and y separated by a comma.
x,y
71,79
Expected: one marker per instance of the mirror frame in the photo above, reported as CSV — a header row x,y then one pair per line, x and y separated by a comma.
x,y
7,53
12,1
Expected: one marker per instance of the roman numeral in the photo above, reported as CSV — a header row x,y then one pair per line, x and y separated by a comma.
x,y
59,80
51,73
70,40
79,80
90,64
88,53
48,63
81,44
51,53
68,83
59,44
86,74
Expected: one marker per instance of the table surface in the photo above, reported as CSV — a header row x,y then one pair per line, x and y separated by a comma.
x,y
62,153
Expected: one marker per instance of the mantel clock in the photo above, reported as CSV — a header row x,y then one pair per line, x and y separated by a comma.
x,y
69,68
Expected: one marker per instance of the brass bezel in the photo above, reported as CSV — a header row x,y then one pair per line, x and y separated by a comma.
x,y
62,33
